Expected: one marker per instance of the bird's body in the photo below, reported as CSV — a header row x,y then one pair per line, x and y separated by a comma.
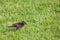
x,y
18,25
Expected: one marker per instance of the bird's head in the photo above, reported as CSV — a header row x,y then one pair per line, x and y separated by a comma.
x,y
23,22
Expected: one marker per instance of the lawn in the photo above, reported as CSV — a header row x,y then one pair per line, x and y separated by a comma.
x,y
42,18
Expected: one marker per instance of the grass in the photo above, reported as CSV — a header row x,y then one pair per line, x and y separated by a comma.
x,y
42,17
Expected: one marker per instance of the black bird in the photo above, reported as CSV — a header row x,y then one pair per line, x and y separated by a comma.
x,y
18,24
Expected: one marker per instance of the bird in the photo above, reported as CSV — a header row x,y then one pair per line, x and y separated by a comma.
x,y
18,24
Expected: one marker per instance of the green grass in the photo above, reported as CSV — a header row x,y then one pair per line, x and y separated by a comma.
x,y
42,17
